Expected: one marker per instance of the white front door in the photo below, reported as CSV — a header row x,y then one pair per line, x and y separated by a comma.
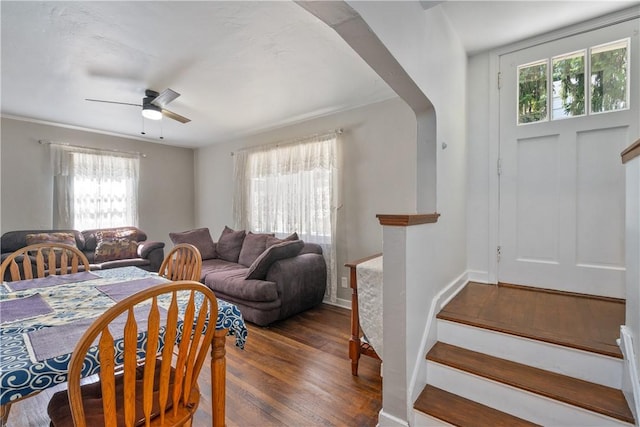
x,y
561,180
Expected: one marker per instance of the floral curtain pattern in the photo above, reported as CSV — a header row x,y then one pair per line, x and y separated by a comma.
x,y
291,187
94,188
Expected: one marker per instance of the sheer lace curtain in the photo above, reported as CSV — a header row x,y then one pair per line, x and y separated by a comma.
x,y
291,187
94,188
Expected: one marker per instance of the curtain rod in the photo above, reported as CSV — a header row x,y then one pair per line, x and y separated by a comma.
x,y
111,150
292,141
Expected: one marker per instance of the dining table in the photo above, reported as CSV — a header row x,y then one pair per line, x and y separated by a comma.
x,y
41,320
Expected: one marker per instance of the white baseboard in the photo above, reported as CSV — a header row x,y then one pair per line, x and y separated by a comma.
x,y
388,420
630,381
478,276
418,376
339,302
424,420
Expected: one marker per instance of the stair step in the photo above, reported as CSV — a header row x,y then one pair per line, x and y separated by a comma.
x,y
589,366
593,397
462,412
585,322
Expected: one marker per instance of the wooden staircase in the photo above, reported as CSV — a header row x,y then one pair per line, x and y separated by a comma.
x,y
518,356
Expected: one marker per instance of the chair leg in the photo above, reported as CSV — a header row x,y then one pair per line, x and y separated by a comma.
x,y
4,414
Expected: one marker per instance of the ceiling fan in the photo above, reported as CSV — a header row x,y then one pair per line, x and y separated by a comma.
x,y
153,105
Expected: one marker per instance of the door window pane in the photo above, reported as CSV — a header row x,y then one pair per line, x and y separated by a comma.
x,y
532,92
609,69
568,85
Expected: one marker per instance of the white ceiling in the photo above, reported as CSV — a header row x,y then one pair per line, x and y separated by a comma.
x,y
241,67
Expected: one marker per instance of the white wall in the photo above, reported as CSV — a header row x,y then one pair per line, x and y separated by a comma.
x,y
436,254
378,147
478,167
166,195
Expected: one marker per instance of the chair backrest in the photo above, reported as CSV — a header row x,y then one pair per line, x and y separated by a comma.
x,y
183,262
43,259
166,335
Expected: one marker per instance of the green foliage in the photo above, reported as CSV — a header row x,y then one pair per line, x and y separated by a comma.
x,y
609,80
532,102
570,73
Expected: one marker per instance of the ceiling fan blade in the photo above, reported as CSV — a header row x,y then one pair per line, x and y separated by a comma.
x,y
174,116
165,97
112,102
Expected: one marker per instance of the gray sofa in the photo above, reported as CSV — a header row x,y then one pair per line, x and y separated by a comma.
x,y
147,255
267,278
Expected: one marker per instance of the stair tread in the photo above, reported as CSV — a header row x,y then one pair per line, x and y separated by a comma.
x,y
594,397
462,412
578,321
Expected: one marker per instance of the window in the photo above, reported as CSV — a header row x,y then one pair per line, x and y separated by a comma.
x,y
287,188
94,189
607,87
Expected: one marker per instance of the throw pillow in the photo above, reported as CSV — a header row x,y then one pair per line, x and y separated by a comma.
x,y
286,249
274,240
252,246
200,238
114,245
64,238
230,244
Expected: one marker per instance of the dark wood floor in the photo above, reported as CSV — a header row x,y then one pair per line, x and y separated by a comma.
x,y
578,321
294,373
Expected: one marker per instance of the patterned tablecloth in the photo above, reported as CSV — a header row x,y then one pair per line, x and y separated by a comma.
x,y
21,375
369,276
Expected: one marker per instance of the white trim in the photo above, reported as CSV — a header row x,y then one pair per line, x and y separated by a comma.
x,y
478,276
494,179
515,401
585,365
339,302
437,303
85,129
388,420
630,372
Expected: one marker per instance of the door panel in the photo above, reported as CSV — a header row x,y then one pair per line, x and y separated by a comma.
x,y
562,182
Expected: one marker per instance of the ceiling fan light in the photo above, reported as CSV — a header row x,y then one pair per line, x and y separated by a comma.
x,y
151,112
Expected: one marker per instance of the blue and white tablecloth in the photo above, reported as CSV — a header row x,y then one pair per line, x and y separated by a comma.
x,y
21,375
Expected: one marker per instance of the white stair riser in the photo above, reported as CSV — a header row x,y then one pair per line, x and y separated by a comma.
x,y
592,367
514,401
424,420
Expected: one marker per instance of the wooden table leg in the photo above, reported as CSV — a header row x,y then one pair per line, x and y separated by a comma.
x,y
4,414
218,377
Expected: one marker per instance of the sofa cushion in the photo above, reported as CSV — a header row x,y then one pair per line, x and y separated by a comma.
x,y
252,246
274,240
115,245
200,238
217,264
11,241
63,238
91,236
233,283
286,249
230,244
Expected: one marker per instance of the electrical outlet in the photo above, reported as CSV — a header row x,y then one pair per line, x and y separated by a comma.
x,y
344,282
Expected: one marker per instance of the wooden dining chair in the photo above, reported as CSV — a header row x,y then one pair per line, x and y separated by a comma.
x,y
43,259
183,262
141,382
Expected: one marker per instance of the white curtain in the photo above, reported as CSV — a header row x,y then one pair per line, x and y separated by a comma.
x,y
94,188
291,187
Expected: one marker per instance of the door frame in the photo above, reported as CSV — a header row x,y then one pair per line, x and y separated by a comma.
x,y
494,116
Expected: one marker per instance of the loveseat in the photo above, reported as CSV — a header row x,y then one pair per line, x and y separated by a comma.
x,y
104,247
267,278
